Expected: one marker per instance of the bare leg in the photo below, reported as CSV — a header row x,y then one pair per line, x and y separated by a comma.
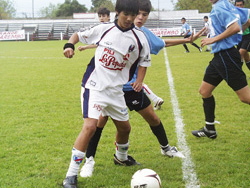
x,y
244,94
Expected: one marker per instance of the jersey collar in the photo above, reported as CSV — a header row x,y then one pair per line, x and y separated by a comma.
x,y
123,30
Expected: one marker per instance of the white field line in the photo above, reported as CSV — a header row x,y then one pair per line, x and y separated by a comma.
x,y
188,167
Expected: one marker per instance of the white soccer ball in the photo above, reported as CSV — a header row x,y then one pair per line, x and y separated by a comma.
x,y
145,178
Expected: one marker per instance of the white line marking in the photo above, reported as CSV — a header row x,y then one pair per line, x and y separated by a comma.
x,y
188,167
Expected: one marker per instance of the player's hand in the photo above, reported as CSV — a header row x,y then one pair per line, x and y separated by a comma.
x,y
206,41
199,34
68,52
190,39
137,86
81,48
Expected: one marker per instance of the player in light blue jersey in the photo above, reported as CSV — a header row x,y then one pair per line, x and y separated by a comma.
x,y
225,32
186,32
138,101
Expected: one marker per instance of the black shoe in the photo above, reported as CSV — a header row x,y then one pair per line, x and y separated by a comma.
x,y
207,50
129,162
204,132
70,182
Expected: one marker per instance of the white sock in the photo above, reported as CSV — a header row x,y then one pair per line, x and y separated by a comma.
x,y
76,160
208,47
153,97
122,151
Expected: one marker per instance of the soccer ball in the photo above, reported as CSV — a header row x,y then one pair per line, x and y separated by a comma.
x,y
145,178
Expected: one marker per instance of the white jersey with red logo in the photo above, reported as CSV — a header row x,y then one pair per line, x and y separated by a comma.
x,y
118,54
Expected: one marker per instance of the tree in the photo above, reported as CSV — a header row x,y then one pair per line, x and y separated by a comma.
x,y
201,5
7,9
69,7
102,3
50,11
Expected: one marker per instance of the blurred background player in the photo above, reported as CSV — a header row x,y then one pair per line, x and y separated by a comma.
x,y
225,29
186,32
244,45
104,16
102,82
206,24
138,101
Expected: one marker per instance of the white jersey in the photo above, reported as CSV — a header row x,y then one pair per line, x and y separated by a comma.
x,y
118,54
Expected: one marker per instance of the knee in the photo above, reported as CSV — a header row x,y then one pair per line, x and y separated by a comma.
x,y
204,93
89,128
245,100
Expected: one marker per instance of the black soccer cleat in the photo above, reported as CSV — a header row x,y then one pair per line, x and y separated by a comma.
x,y
130,162
204,132
70,182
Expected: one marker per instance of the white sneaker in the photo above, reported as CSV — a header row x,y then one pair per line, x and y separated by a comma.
x,y
88,167
172,152
159,102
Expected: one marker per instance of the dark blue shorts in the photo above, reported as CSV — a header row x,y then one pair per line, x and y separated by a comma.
x,y
136,100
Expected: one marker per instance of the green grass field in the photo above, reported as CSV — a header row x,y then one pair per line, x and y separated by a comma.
x,y
41,118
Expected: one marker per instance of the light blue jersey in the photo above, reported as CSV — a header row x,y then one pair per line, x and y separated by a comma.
x,y
224,14
155,44
185,28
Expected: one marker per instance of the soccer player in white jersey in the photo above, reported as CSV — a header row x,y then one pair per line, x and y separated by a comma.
x,y
226,21
104,16
110,68
206,24
138,101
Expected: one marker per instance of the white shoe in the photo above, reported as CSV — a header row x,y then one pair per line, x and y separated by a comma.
x,y
88,167
159,102
172,152
200,49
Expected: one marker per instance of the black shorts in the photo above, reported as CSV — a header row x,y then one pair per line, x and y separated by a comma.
x,y
226,65
136,100
245,43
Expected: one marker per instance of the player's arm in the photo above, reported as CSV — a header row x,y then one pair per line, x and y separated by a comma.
x,y
231,30
173,42
69,47
246,25
90,46
137,85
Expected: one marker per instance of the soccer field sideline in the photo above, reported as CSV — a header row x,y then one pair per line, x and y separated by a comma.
x,y
188,167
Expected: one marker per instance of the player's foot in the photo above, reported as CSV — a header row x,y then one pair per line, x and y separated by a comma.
x,y
200,49
186,51
130,162
88,167
204,132
172,152
159,102
207,50
70,182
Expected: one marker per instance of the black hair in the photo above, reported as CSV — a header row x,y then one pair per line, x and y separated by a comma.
x,y
183,19
239,1
103,11
205,17
130,6
145,5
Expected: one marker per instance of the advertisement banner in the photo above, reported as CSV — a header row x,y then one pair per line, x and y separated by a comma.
x,y
12,35
167,32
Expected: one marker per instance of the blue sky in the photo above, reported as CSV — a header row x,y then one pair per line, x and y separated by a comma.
x,y
25,6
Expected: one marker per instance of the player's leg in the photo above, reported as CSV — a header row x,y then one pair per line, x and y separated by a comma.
x,y
244,94
245,55
121,156
186,48
157,128
88,166
157,101
78,151
196,46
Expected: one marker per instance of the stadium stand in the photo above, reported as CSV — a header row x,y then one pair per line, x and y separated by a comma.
x,y
63,29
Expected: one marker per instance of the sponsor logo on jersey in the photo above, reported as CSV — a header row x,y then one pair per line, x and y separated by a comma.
x,y
109,61
131,48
